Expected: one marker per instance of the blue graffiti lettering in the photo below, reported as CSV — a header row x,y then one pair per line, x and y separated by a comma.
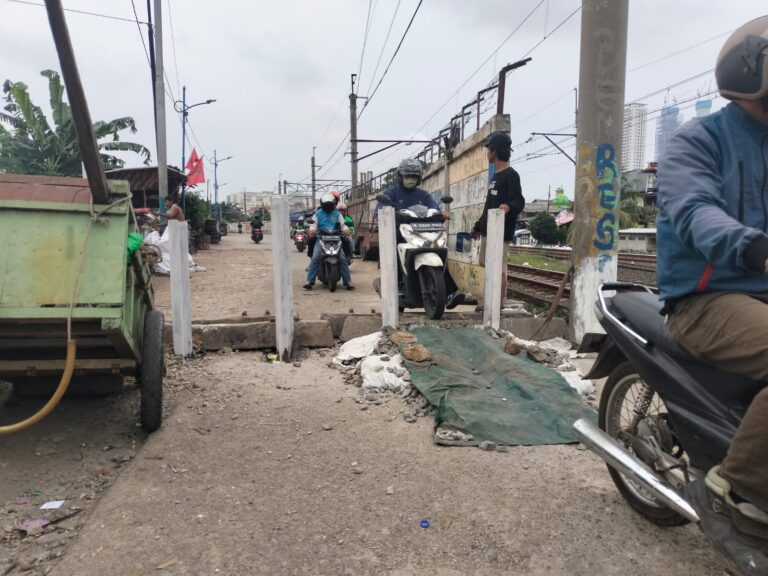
x,y
602,261
607,173
606,232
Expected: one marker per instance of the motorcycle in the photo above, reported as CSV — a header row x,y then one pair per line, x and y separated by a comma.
x,y
422,256
256,234
665,418
329,271
300,240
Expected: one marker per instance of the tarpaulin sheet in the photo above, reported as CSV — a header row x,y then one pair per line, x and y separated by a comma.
x,y
480,390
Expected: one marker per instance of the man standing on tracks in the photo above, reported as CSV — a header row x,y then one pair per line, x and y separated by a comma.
x,y
504,193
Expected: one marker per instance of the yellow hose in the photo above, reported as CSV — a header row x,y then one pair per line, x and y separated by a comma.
x,y
66,378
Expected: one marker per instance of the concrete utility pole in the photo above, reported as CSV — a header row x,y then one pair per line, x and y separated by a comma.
x,y
353,131
314,180
598,149
162,153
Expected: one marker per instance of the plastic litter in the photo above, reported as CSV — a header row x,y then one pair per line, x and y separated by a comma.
x,y
424,523
52,505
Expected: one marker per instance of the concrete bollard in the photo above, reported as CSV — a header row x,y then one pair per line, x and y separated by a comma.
x,y
388,262
178,236
494,268
281,263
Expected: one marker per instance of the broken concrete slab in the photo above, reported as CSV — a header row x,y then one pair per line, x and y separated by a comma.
x,y
336,321
314,334
357,325
241,336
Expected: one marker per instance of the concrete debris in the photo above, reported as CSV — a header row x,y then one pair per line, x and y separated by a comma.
x,y
327,427
403,338
357,348
445,434
409,417
487,445
512,348
376,373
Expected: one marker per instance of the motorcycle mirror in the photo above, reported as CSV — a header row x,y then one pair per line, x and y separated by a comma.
x,y
384,199
309,221
446,199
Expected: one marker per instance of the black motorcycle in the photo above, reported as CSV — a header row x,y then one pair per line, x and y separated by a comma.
x,y
256,234
665,418
329,271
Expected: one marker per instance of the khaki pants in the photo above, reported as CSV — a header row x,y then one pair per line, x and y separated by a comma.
x,y
730,331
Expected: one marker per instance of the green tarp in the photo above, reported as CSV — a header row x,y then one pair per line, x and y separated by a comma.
x,y
480,390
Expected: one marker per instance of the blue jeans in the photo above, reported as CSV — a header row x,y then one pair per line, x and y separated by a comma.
x,y
346,277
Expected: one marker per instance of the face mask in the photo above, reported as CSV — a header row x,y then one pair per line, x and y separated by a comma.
x,y
410,181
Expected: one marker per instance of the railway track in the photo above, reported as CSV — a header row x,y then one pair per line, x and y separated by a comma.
x,y
642,262
539,285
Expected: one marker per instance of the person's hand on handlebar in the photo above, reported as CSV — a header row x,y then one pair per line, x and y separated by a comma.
x,y
446,215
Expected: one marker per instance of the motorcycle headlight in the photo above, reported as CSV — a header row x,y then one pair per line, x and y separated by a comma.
x,y
412,237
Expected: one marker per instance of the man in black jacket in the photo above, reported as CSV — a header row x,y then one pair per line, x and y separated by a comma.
x,y
504,193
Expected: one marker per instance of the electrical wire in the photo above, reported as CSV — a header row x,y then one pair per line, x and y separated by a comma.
x,y
371,8
651,63
383,47
394,55
141,34
173,47
84,12
555,29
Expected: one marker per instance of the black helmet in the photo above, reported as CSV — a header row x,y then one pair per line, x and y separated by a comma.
x,y
499,141
409,167
742,66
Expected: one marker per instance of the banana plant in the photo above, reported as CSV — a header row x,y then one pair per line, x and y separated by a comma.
x,y
30,144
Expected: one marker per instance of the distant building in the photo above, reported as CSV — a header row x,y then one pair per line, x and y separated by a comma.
x,y
248,200
703,108
633,142
668,122
641,240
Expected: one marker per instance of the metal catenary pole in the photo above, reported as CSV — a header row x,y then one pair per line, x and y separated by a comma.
x,y
598,149
314,180
353,132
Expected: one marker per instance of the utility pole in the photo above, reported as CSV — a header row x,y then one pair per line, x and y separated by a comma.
x,y
162,154
598,149
314,180
285,187
549,195
216,161
353,132
279,187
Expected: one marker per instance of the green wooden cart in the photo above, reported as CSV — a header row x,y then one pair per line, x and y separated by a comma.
x,y
43,227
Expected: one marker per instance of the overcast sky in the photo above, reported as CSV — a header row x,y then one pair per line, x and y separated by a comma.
x,y
280,72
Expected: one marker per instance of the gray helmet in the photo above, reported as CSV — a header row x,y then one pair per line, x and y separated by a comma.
x,y
409,167
742,66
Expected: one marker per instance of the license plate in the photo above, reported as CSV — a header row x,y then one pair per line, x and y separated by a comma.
x,y
330,238
427,226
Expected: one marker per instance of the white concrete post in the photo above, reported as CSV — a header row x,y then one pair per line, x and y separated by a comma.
x,y
178,236
281,274
388,264
494,268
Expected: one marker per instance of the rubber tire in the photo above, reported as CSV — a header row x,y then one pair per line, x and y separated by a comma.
x,y
332,277
429,276
152,372
301,247
660,516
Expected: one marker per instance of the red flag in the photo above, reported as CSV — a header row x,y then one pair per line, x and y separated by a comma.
x,y
195,169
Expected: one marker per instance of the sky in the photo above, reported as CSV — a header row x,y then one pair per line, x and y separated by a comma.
x,y
280,73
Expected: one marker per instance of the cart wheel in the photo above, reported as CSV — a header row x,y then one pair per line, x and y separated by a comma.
x,y
152,371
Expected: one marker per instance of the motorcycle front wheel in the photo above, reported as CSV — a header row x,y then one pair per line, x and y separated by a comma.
x,y
622,393
432,291
332,276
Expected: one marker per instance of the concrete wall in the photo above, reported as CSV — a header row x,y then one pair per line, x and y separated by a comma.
x,y
466,178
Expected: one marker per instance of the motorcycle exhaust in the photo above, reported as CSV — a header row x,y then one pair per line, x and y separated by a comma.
x,y
622,460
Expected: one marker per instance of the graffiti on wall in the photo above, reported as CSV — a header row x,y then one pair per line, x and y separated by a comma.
x,y
607,177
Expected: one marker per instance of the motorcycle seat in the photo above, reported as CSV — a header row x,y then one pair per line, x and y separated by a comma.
x,y
641,311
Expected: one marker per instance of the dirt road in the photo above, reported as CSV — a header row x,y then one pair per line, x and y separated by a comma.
x,y
278,469
239,279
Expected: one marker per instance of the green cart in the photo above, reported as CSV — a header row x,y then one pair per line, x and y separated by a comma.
x,y
65,267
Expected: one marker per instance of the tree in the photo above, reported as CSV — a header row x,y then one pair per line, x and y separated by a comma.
x,y
634,211
33,146
196,210
544,229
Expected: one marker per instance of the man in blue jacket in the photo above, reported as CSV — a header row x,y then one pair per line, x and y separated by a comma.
x,y
713,255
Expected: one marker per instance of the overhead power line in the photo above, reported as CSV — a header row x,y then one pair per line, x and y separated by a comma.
x,y
652,62
173,47
141,34
85,12
371,8
394,55
383,47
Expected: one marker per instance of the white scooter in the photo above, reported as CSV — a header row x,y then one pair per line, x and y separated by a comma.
x,y
422,254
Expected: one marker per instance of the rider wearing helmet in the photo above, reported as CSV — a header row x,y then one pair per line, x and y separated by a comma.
x,y
327,218
712,263
349,241
406,193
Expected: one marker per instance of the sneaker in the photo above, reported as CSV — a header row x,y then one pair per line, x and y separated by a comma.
x,y
349,287
455,299
309,286
745,554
